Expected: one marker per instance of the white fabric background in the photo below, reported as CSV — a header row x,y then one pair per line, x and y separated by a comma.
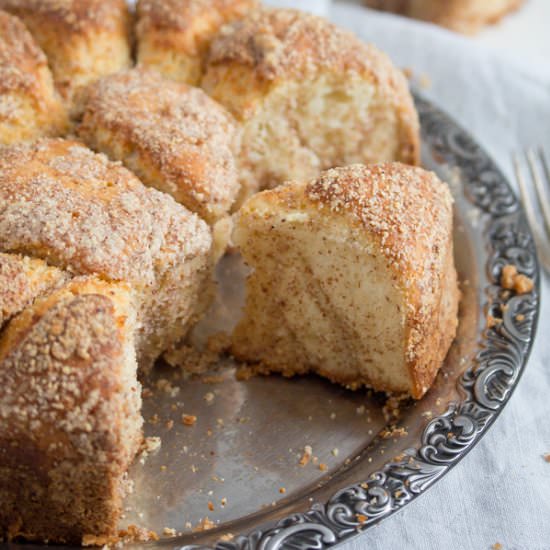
x,y
501,491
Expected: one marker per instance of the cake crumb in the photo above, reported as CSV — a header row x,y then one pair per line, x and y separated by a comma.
x,y
306,456
188,419
169,424
210,505
166,386
335,452
323,467
209,397
493,321
282,490
169,531
361,518
204,525
152,444
546,457
497,546
510,279
227,537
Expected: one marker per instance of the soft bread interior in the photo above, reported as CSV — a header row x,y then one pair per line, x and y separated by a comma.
x,y
301,128
319,298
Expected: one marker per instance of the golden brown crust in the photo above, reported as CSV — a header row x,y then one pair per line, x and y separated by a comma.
x,y
29,105
285,43
72,16
174,35
23,279
69,407
393,212
466,16
173,136
83,39
78,210
81,212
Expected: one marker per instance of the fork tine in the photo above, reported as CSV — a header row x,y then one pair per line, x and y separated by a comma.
x,y
544,200
545,165
544,254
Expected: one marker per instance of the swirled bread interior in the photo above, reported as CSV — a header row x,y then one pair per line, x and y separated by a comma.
x,y
352,277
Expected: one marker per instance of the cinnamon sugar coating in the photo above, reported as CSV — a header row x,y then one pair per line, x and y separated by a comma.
x,y
23,279
69,412
173,136
29,104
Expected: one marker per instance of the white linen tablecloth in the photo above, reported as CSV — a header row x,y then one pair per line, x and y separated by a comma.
x,y
501,491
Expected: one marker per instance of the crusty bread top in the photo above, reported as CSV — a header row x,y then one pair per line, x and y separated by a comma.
x,y
408,209
187,135
22,279
20,57
185,15
61,202
73,16
279,43
66,401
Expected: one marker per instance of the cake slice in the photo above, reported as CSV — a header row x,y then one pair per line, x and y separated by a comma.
x,y
69,412
352,277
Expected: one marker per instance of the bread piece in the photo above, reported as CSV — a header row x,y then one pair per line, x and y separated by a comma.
x,y
22,280
352,278
83,39
173,36
79,211
310,96
69,412
29,105
173,136
466,16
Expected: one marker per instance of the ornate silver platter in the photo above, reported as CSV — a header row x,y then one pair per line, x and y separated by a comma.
x,y
240,464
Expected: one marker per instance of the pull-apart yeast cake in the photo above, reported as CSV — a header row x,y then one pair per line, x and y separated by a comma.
x,y
352,277
83,39
173,36
173,136
87,215
309,96
101,273
105,274
29,104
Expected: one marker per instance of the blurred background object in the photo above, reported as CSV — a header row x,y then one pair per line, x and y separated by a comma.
x,y
466,16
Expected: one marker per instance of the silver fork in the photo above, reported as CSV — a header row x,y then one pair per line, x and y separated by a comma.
x,y
537,211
